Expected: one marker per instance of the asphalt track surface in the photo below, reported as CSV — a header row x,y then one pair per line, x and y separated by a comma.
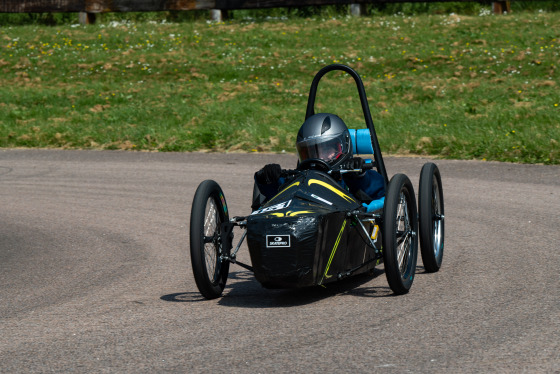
x,y
95,275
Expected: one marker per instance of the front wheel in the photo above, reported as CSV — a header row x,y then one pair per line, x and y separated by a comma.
x,y
400,241
209,211
430,205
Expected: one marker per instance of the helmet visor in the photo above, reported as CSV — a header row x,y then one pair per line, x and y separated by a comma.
x,y
329,150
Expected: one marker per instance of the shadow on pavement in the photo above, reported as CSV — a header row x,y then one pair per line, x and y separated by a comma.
x,y
244,291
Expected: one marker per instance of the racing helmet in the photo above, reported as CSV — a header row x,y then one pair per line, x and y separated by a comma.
x,y
324,136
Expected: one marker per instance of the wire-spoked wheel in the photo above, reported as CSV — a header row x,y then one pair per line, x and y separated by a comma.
x,y
400,240
431,215
209,211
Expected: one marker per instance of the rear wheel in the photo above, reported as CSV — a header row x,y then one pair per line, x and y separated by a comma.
x,y
209,211
430,205
400,241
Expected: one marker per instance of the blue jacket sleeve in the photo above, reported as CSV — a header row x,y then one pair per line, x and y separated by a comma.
x,y
370,182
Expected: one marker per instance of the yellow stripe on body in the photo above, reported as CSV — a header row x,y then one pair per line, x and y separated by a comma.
x,y
333,189
325,275
279,193
290,213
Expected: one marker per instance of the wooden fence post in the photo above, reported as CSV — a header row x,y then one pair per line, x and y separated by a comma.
x,y
216,15
219,15
86,18
357,10
501,7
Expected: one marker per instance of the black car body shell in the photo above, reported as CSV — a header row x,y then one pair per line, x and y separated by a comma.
x,y
303,236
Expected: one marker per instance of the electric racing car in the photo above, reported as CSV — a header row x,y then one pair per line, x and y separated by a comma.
x,y
314,231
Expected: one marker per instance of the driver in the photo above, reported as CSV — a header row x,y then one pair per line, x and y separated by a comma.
x,y
325,136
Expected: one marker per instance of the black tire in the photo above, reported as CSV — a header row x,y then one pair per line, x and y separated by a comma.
x,y
431,217
209,210
400,240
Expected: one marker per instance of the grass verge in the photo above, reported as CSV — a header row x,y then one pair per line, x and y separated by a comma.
x,y
483,87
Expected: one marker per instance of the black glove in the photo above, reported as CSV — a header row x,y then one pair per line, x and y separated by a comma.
x,y
355,163
268,174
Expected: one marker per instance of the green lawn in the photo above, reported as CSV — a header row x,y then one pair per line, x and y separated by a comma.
x,y
483,87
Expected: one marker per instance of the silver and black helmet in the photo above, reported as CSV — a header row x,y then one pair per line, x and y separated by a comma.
x,y
326,137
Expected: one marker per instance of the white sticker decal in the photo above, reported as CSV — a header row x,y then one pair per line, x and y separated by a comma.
x,y
272,208
277,241
321,199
